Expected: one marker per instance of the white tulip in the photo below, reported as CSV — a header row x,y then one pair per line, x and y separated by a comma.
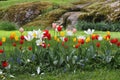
x,y
69,33
100,38
89,31
38,70
29,37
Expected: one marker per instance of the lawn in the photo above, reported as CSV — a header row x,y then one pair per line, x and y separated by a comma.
x,y
101,74
113,34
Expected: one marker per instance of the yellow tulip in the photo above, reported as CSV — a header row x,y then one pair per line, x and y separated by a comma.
x,y
55,37
3,39
58,40
108,32
13,34
62,34
74,39
16,38
87,39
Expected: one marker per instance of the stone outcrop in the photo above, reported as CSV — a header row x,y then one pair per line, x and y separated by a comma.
x,y
44,13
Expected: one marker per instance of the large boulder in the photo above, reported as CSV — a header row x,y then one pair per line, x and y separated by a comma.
x,y
25,12
94,11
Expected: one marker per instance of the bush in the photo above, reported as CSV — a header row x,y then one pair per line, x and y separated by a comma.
x,y
8,26
102,26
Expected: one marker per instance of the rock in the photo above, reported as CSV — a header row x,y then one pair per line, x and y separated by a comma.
x,y
44,13
95,11
69,19
24,13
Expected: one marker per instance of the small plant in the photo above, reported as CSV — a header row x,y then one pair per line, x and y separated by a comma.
x,y
8,26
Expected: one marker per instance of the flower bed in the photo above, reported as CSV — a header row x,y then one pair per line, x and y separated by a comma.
x,y
38,51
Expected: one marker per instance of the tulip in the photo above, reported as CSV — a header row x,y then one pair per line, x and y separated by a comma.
x,y
21,30
3,39
1,51
74,30
14,44
48,45
4,64
43,45
118,44
54,25
65,39
114,41
74,39
81,41
22,37
62,34
21,41
58,28
89,31
0,43
30,48
98,44
16,38
87,39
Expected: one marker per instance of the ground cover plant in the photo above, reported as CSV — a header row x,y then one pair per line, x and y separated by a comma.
x,y
37,52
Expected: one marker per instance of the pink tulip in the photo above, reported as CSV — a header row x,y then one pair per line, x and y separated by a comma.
x,y
74,30
21,30
54,25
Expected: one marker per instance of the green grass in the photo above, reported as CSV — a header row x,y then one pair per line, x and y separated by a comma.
x,y
8,3
113,34
102,74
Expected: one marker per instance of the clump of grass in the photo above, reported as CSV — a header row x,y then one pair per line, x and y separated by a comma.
x,y
8,26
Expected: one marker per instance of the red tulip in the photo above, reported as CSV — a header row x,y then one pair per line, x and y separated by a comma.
x,y
98,44
30,48
22,37
65,39
108,37
21,41
77,45
14,44
59,28
4,63
81,41
118,44
0,43
48,45
114,41
1,51
46,34
44,45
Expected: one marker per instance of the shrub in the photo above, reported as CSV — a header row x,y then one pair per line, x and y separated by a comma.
x,y
8,26
102,26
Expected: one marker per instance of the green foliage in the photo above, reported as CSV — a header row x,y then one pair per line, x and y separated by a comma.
x,y
101,26
8,26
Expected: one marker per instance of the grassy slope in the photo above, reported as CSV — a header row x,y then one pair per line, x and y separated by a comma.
x,y
79,75
6,4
